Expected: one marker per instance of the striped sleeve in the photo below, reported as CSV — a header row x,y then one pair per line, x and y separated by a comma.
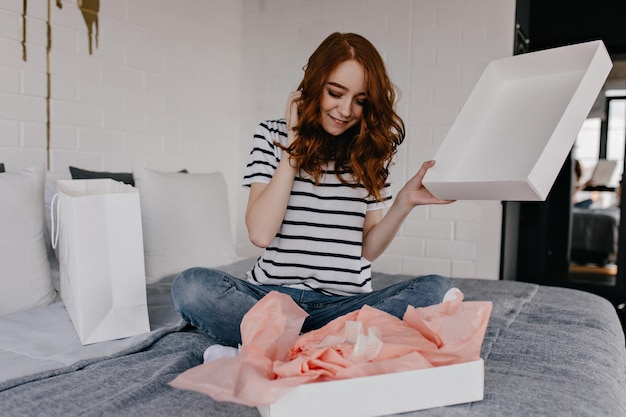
x,y
386,201
265,155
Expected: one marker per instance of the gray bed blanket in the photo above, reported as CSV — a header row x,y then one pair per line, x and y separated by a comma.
x,y
547,351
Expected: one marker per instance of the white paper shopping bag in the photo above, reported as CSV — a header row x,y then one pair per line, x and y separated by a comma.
x,y
101,259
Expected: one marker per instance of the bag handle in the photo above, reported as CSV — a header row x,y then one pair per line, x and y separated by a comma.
x,y
54,231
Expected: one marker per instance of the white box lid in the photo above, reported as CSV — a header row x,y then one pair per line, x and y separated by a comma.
x,y
518,125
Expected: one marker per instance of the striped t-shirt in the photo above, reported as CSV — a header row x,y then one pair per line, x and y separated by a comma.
x,y
318,245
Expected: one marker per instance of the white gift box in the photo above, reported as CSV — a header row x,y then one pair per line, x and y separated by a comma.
x,y
518,125
385,394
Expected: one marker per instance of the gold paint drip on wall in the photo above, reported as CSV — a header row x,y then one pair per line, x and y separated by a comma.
x,y
48,84
89,9
24,32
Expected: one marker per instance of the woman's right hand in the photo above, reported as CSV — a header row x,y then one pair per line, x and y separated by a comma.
x,y
292,116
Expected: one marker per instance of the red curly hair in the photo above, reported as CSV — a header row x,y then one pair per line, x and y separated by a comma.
x,y
366,150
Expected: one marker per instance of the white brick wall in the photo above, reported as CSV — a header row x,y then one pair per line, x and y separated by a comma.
x,y
157,91
182,85
160,90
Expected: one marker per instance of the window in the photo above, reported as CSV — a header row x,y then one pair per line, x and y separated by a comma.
x,y
616,133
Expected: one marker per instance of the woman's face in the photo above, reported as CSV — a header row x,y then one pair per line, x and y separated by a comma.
x,y
343,98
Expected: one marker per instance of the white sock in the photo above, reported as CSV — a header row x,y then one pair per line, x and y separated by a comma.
x,y
452,294
214,352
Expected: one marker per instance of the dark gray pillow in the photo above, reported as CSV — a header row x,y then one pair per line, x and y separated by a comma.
x,y
125,177
83,174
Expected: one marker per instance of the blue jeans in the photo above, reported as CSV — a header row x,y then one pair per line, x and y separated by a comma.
x,y
216,302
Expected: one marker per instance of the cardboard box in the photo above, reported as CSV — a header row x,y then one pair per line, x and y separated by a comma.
x,y
518,125
386,394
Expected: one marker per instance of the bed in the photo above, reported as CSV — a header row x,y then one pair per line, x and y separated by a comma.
x,y
547,351
595,233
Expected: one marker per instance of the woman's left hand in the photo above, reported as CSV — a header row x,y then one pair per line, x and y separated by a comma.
x,y
415,193
380,230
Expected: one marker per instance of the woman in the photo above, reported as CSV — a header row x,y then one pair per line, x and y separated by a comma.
x,y
318,186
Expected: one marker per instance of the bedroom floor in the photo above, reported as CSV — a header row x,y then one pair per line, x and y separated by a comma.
x,y
593,274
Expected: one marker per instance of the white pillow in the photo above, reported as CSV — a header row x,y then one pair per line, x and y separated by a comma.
x,y
185,221
25,278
